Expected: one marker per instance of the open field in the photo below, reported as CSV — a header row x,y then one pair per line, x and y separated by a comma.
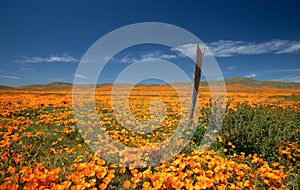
x,y
258,146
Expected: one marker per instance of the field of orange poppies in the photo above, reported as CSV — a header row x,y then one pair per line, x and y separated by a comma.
x,y
257,147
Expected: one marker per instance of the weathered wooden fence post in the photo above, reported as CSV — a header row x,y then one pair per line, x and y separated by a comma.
x,y
197,76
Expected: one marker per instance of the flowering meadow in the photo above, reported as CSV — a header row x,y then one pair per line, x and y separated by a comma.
x,y
257,147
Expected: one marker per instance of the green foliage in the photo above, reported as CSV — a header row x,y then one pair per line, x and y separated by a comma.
x,y
261,129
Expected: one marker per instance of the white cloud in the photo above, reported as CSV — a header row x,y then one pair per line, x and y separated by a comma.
x,y
230,68
10,77
228,48
187,50
129,58
289,78
107,58
282,70
27,69
52,58
158,55
252,75
80,76
167,56
295,46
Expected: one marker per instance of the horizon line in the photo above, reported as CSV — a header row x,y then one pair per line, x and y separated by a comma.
x,y
111,83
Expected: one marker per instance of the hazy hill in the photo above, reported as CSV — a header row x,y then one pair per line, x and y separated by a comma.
x,y
49,86
255,83
230,81
2,87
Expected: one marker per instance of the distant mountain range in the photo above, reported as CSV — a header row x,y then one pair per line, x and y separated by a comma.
x,y
230,81
255,83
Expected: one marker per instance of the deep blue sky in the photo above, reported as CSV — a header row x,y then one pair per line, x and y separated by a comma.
x,y
43,41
